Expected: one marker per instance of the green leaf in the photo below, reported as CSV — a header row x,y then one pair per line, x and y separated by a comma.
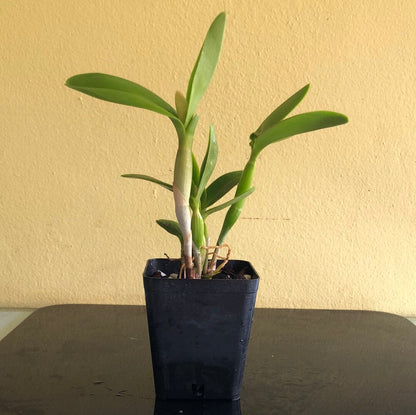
x,y
120,91
198,229
172,227
209,162
205,65
297,124
234,211
149,179
281,111
195,182
195,171
230,202
220,187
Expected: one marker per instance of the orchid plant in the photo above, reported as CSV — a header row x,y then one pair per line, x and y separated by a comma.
x,y
194,198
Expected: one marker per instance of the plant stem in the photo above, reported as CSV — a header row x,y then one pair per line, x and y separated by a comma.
x,y
234,211
198,234
198,262
243,186
182,183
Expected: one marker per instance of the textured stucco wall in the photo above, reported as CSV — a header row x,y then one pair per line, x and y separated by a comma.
x,y
332,223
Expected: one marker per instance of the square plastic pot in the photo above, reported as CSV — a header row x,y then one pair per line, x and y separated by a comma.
x,y
199,331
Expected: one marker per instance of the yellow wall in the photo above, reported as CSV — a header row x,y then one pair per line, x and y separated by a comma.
x,y
332,223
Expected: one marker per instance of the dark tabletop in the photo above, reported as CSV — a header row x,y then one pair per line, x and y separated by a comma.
x,y
94,359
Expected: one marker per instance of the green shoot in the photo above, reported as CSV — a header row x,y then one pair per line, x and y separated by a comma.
x,y
195,199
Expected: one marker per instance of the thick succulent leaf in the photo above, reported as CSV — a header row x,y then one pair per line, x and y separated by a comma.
x,y
220,187
205,65
149,179
297,124
230,202
120,91
172,227
281,111
208,165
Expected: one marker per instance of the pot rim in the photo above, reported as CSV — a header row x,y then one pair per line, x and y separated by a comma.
x,y
202,285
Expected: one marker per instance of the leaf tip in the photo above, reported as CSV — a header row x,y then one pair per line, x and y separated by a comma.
x,y
339,118
69,82
344,118
221,17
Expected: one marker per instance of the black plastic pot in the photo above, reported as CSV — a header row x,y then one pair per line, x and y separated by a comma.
x,y
199,331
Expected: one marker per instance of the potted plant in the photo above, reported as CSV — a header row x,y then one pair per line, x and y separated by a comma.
x,y
200,306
